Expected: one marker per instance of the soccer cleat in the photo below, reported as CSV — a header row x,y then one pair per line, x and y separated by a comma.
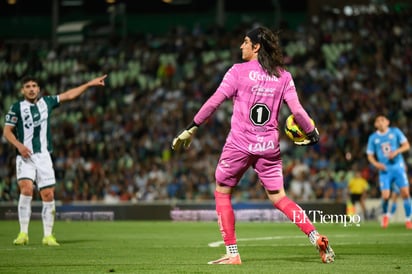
x,y
22,239
385,221
227,259
50,241
408,225
325,251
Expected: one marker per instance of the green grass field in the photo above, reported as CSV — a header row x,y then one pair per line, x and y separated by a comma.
x,y
183,247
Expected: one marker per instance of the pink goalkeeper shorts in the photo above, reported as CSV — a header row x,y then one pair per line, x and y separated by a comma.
x,y
233,163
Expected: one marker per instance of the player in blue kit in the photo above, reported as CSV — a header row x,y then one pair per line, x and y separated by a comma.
x,y
384,152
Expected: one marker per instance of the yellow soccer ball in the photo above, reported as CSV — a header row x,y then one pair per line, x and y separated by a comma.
x,y
293,130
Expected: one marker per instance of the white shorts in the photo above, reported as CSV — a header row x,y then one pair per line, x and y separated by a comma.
x,y
38,168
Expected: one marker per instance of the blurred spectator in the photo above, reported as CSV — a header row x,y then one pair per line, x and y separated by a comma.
x,y
300,188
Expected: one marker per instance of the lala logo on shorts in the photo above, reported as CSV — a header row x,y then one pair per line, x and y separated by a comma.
x,y
262,146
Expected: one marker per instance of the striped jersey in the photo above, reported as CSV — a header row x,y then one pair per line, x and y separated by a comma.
x,y
32,122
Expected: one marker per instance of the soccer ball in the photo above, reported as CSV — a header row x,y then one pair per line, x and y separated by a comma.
x,y
293,130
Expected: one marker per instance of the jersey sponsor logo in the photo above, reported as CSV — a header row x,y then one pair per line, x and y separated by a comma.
x,y
261,146
259,129
27,121
28,125
263,91
38,122
257,76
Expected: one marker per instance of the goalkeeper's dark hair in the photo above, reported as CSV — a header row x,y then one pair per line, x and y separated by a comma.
x,y
270,54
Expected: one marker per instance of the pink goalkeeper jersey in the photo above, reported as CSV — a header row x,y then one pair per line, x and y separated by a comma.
x,y
257,99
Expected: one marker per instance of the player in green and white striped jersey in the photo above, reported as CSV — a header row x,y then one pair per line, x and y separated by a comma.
x,y
27,128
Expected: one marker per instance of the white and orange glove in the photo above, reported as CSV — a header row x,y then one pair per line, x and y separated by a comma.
x,y
185,137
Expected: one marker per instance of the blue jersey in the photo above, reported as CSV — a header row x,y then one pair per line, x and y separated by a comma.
x,y
381,144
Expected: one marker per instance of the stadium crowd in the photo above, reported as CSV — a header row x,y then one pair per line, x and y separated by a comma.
x,y
113,144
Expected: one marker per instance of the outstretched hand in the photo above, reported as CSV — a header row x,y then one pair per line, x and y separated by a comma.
x,y
99,81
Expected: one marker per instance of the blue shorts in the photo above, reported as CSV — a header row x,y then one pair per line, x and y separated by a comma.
x,y
395,189
395,175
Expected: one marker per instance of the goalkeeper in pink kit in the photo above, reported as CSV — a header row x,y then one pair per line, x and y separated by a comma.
x,y
257,87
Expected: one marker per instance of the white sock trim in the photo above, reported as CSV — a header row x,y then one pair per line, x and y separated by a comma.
x,y
313,237
232,249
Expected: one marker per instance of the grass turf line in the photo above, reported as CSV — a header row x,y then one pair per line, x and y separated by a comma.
x,y
183,247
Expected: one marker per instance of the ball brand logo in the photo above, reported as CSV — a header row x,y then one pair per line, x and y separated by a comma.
x,y
317,216
257,76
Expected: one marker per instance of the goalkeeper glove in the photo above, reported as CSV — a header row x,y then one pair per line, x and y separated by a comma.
x,y
185,138
311,138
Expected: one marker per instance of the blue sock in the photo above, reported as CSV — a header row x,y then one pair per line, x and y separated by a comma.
x,y
393,208
407,206
385,206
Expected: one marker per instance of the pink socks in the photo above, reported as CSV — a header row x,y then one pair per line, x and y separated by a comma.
x,y
226,217
296,214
